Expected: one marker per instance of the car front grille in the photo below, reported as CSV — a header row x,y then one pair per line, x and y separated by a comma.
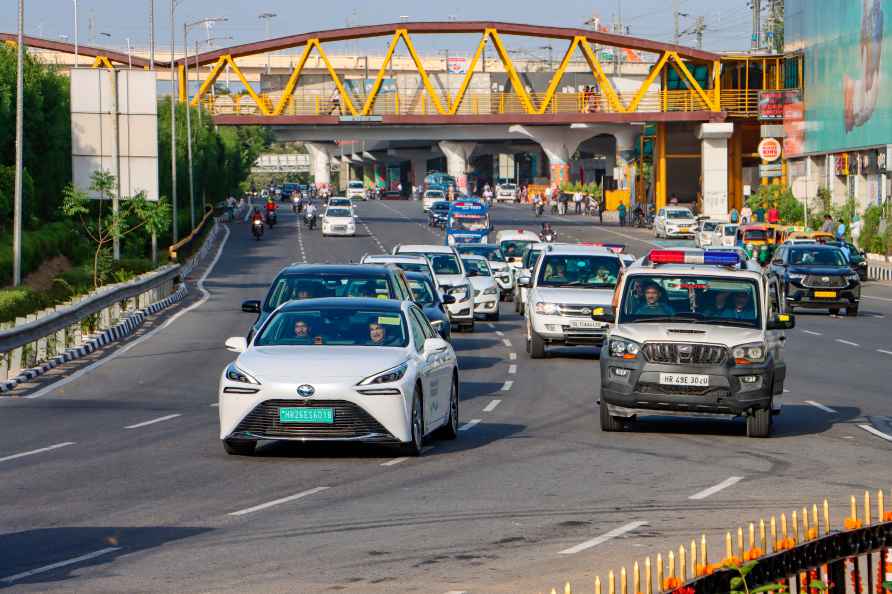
x,y
661,390
575,311
824,281
350,422
672,353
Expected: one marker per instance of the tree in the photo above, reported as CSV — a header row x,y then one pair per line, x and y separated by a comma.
x,y
102,225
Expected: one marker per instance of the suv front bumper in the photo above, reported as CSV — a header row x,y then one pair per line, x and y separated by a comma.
x,y
631,387
798,296
564,330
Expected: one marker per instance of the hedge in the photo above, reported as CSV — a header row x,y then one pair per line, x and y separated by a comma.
x,y
53,239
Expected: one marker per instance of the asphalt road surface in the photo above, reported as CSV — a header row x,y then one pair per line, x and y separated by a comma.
x,y
116,481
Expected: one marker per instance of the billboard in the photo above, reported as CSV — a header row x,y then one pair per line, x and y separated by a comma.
x,y
847,73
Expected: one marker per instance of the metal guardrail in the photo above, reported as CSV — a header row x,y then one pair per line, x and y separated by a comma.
x,y
878,268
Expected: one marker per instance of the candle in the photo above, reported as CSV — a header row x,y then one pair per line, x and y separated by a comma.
x,y
693,558
682,563
794,520
805,523
648,577
611,583
826,517
880,508
623,581
854,515
598,585
784,526
867,508
773,534
762,539
729,551
703,556
740,543
814,518
752,536
671,564
659,572
636,579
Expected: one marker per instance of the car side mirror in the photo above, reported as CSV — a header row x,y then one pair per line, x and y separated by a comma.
x,y
782,322
251,306
236,344
524,281
605,315
448,299
435,345
777,262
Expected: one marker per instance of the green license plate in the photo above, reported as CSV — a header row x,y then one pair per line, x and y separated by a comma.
x,y
306,415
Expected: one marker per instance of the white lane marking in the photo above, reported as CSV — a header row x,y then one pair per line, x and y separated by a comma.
x,y
885,352
716,488
507,385
274,502
603,538
786,390
492,405
499,333
214,404
848,342
205,296
491,325
506,342
513,356
457,592
512,369
153,421
469,425
14,578
394,462
37,451
876,432
875,297
820,406
813,333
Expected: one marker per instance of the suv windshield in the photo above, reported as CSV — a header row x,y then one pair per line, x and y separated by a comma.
x,y
587,272
490,252
336,326
679,214
515,248
440,206
476,267
729,230
817,257
355,185
690,298
338,212
710,226
326,284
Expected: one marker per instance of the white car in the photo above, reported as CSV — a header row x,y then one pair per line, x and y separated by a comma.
x,y
503,273
506,193
431,196
728,234
526,269
365,370
567,284
708,233
486,290
450,274
673,221
515,243
355,189
338,220
339,201
405,263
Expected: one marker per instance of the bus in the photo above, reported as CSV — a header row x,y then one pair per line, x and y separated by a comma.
x,y
468,222
440,181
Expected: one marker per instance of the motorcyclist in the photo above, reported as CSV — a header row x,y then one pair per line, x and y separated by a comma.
x,y
547,233
311,214
256,222
256,216
270,211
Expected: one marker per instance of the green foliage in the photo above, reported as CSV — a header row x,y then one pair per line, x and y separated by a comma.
x,y
54,239
739,584
871,240
791,210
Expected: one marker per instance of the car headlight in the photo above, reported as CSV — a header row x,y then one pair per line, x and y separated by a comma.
x,y
394,374
746,354
548,309
623,348
437,325
795,276
490,291
460,293
234,374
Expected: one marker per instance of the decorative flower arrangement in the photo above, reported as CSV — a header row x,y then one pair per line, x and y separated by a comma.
x,y
852,524
671,583
811,533
753,554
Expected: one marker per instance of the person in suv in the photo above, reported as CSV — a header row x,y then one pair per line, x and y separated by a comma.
x,y
695,333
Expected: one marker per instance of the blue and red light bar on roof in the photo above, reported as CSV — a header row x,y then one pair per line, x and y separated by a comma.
x,y
714,258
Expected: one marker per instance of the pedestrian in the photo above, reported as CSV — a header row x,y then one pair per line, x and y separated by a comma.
x,y
335,103
827,227
773,216
760,214
577,201
673,199
841,232
622,214
746,214
599,205
734,216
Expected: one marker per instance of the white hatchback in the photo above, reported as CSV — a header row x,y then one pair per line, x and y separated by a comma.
x,y
362,370
486,290
431,196
338,220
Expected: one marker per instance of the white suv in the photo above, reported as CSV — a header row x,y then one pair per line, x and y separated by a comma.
x,y
673,221
450,275
567,284
696,333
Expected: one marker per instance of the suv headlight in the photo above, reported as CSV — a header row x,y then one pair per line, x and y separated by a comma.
x,y
853,276
460,293
795,276
394,374
548,309
623,348
747,354
490,291
234,374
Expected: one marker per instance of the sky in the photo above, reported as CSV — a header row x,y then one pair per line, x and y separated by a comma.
x,y
728,22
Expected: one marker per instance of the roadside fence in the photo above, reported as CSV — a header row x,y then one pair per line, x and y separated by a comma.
x,y
879,267
802,556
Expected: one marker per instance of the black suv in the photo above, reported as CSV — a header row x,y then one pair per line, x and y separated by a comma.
x,y
816,276
438,214
311,281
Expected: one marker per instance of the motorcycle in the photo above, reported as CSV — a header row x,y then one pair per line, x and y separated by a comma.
x,y
310,220
296,204
540,208
257,229
271,218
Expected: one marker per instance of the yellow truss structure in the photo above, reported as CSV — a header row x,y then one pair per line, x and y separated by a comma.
x,y
450,106
102,62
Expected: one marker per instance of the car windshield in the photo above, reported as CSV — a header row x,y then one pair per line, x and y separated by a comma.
x,y
355,185
476,266
335,326
434,194
755,235
709,226
803,256
729,230
508,187
515,248
469,223
414,267
326,284
441,263
490,252
690,298
338,212
579,271
679,214
422,292
529,261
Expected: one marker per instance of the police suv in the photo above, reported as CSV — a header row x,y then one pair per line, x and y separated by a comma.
x,y
696,333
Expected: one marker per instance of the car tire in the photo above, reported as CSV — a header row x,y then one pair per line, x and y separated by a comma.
x,y
834,311
450,429
416,424
610,423
239,447
537,346
852,311
758,424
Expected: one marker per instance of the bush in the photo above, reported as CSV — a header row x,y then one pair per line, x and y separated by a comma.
x,y
54,239
871,240
19,302
791,210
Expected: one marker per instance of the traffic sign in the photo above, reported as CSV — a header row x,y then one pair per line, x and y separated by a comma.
x,y
769,150
770,170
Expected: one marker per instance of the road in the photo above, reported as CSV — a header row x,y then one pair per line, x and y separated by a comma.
x,y
117,482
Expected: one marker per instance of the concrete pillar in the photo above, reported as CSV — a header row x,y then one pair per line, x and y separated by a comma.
x,y
457,156
559,144
625,151
419,170
345,176
320,163
714,167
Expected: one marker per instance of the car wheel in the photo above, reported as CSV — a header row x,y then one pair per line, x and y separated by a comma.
x,y
537,345
516,306
758,424
834,311
239,447
852,311
450,429
413,448
610,423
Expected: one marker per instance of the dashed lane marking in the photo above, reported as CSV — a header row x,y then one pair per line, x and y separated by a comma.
x,y
470,424
214,404
394,462
153,421
848,342
507,385
876,432
506,342
885,352
512,369
513,356
728,482
25,574
37,451
813,333
499,333
274,502
492,405
820,406
604,537
875,297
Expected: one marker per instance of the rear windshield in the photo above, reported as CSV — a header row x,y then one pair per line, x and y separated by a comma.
x,y
515,248
422,292
326,284
709,226
341,326
730,230
755,235
441,263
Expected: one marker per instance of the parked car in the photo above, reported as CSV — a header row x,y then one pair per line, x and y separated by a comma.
x,y
673,221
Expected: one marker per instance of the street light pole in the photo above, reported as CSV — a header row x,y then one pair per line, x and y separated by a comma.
x,y
266,16
76,50
188,124
129,54
151,34
173,119
19,115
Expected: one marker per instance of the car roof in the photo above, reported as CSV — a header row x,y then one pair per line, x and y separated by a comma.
x,y
433,248
571,248
351,302
473,257
359,269
476,246
393,258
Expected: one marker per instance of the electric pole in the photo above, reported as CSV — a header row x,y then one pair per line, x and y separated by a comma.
x,y
151,34
698,30
675,15
757,24
19,164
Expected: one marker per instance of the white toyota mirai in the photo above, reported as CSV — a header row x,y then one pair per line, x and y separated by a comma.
x,y
340,369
